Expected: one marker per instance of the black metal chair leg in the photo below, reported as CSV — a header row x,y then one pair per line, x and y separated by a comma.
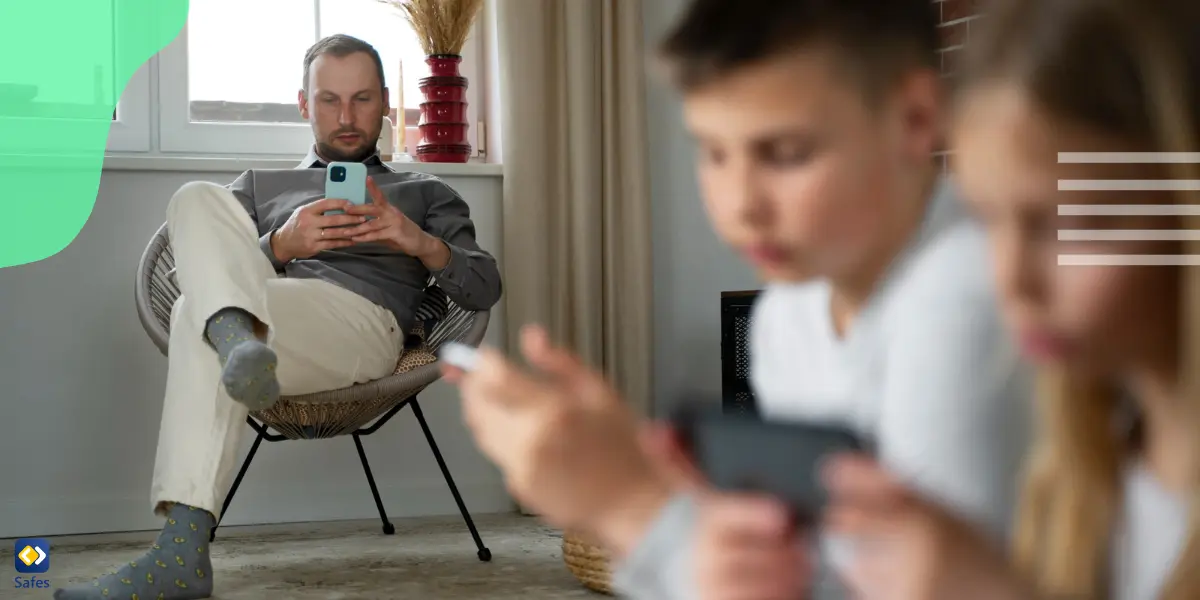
x,y
483,553
236,482
388,528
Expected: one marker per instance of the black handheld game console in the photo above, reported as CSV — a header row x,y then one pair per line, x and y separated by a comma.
x,y
746,453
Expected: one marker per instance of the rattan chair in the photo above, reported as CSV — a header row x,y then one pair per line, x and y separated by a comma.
x,y
356,411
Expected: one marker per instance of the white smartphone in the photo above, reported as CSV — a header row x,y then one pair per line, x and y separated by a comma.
x,y
459,355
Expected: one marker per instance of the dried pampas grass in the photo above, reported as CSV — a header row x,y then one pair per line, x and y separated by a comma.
x,y
442,26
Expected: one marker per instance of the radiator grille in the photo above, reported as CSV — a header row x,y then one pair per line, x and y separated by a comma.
x,y
736,393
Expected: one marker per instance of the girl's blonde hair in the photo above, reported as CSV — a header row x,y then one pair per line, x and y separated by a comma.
x,y
1129,68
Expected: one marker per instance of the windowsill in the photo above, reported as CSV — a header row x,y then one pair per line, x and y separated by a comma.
x,y
116,161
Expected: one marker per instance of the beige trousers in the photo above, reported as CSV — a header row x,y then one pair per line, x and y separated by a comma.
x,y
325,336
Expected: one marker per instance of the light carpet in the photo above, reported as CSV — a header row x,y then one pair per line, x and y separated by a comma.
x,y
425,559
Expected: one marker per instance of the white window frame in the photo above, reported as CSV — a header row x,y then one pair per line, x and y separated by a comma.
x,y
177,133
130,132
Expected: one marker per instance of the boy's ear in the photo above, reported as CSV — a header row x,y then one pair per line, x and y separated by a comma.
x,y
923,104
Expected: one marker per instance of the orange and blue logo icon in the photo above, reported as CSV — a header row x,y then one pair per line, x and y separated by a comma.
x,y
31,555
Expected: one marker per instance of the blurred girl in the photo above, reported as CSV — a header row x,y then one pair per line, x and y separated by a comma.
x,y
1094,282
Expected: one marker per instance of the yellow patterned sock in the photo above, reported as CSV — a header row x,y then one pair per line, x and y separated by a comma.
x,y
177,566
247,364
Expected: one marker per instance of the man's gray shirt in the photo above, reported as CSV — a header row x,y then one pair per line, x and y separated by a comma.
x,y
389,278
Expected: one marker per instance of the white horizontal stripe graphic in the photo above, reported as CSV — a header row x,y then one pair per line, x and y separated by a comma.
x,y
1145,158
1128,235
1128,260
1128,185
1128,210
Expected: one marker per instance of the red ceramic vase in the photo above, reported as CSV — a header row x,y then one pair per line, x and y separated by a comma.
x,y
443,122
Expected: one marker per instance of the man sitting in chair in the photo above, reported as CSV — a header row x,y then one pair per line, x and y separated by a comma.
x,y
278,298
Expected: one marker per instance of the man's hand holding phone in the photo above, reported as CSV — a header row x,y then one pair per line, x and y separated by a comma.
x,y
309,231
385,224
366,218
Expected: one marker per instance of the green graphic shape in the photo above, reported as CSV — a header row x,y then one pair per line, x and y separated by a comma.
x,y
66,64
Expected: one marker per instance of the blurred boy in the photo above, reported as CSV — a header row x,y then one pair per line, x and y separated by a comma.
x,y
816,122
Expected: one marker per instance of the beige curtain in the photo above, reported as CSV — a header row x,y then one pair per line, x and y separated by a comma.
x,y
576,190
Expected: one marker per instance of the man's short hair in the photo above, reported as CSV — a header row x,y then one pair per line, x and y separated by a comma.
x,y
879,40
341,46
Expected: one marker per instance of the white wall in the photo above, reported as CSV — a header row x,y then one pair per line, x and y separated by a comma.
x,y
691,265
82,391
82,384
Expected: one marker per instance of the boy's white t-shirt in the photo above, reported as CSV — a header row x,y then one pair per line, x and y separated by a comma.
x,y
926,373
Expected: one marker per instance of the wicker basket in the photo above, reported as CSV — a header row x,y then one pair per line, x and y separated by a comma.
x,y
587,562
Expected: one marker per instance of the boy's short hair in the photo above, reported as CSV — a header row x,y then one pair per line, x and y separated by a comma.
x,y
879,40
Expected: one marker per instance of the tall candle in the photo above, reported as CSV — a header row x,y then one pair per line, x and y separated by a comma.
x,y
401,121
386,144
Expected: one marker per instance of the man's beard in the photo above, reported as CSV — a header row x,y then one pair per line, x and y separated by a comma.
x,y
364,151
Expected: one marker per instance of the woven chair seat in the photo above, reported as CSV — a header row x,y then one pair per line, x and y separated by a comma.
x,y
323,414
330,414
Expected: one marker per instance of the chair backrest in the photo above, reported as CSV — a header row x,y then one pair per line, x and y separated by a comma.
x,y
156,292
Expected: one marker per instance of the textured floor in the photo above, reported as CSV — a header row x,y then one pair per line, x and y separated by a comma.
x,y
426,559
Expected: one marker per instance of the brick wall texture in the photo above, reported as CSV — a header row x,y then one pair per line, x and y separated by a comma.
x,y
956,19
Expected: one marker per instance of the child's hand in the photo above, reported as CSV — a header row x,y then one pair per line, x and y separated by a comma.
x,y
906,548
748,549
660,441
566,442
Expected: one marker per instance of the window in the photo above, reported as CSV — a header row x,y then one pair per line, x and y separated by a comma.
x,y
228,84
130,128
65,95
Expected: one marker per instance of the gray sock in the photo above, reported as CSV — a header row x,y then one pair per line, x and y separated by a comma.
x,y
177,567
247,364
